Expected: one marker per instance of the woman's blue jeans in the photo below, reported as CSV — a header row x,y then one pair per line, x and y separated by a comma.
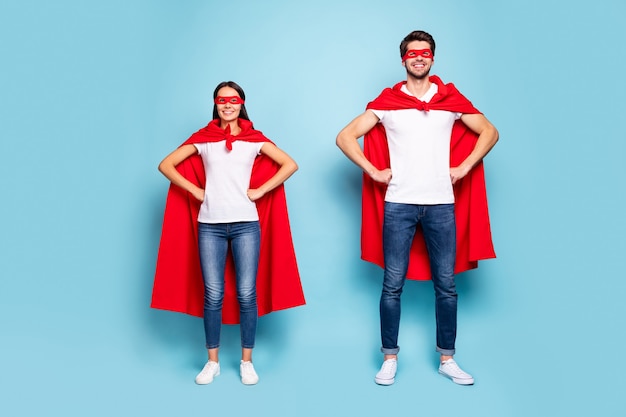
x,y
438,225
213,242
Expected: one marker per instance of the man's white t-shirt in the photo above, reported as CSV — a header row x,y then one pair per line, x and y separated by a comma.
x,y
227,181
419,153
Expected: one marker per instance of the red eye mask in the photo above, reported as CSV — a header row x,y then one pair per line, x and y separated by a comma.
x,y
230,99
414,53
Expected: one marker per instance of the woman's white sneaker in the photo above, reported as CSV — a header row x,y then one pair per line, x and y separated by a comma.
x,y
211,369
248,374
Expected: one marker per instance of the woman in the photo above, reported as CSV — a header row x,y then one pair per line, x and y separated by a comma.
x,y
229,176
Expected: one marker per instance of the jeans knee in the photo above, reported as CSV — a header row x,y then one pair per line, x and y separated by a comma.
x,y
392,285
213,301
446,292
247,300
391,292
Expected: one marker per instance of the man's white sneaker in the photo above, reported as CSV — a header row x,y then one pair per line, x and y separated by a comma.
x,y
450,369
211,369
387,373
248,374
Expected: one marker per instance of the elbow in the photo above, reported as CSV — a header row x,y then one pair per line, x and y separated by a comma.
x,y
163,167
339,141
490,134
288,167
346,140
496,135
294,166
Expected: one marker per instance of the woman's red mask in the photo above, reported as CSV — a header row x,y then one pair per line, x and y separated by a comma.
x,y
229,99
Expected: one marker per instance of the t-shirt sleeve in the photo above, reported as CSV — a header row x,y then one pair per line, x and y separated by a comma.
x,y
380,114
199,147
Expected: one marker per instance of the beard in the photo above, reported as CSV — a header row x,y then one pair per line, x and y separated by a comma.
x,y
417,75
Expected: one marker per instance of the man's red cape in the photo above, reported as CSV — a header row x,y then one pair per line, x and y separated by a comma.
x,y
178,283
472,216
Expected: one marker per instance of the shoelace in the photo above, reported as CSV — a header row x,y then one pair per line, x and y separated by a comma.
x,y
454,367
209,367
387,366
247,368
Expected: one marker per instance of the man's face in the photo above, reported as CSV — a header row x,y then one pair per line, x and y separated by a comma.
x,y
418,67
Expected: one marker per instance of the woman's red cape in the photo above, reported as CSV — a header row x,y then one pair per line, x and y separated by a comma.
x,y
472,215
178,284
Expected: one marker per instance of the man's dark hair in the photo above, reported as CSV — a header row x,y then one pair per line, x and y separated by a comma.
x,y
417,35
243,113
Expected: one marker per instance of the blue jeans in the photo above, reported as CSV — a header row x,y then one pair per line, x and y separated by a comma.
x,y
245,241
438,225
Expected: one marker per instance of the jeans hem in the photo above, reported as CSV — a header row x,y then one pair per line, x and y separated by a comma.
x,y
387,351
446,352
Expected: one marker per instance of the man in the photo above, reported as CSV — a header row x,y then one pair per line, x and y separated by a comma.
x,y
407,161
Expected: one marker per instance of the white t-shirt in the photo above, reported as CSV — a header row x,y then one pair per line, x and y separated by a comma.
x,y
227,181
419,152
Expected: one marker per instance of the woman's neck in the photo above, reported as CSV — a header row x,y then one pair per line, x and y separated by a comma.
x,y
234,126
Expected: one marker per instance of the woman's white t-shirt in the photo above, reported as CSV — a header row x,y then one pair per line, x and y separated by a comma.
x,y
227,181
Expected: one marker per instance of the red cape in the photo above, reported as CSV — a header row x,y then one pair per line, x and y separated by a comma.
x,y
178,283
472,216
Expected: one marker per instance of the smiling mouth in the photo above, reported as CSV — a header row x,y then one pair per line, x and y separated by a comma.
x,y
418,67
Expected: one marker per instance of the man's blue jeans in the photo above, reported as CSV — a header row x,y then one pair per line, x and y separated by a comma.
x,y
213,241
438,225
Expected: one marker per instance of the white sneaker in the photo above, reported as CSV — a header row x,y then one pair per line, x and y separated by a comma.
x,y
387,373
450,369
248,374
211,369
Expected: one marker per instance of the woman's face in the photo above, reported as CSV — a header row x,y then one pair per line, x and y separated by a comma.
x,y
227,111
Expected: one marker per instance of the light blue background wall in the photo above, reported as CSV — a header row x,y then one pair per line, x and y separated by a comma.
x,y
93,94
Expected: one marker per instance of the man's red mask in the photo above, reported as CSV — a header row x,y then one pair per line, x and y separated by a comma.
x,y
414,53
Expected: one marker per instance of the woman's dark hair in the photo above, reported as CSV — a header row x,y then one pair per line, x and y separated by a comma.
x,y
243,113
418,35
